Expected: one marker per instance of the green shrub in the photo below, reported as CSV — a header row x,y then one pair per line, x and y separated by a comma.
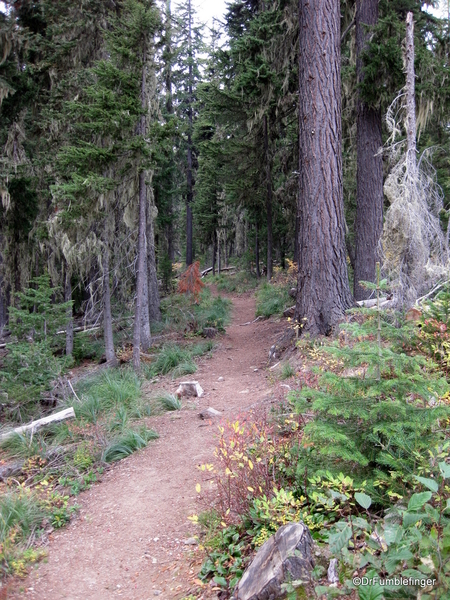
x,y
212,312
87,347
377,416
411,540
271,300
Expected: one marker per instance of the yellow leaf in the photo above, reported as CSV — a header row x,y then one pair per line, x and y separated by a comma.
x,y
250,464
198,488
193,518
223,524
250,489
45,482
228,511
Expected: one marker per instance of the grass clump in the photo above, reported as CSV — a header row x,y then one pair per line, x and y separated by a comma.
x,y
287,371
168,402
127,443
271,300
169,357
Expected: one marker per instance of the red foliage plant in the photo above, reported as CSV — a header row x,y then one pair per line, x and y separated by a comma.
x,y
250,462
191,281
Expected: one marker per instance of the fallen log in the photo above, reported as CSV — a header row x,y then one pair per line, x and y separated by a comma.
x,y
206,271
68,413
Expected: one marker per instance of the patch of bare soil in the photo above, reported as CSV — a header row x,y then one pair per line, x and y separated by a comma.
x,y
129,537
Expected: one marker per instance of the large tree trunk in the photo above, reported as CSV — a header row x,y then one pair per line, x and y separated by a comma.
x,y
190,177
268,201
154,301
323,292
107,314
68,298
369,177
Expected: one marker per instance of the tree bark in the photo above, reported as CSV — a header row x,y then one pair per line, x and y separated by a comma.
x,y
323,292
68,298
258,272
411,159
169,111
214,252
146,336
154,301
190,183
268,201
141,274
369,175
111,359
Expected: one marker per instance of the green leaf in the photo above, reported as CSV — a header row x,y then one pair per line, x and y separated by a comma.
x,y
418,500
373,592
392,533
445,470
221,581
395,557
431,484
412,518
339,540
363,500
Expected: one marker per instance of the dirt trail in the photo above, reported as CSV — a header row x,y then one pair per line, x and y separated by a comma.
x,y
128,540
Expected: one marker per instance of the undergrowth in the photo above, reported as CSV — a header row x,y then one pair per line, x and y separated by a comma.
x,y
360,454
272,299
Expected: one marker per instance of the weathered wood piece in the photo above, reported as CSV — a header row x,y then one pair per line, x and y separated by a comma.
x,y
189,388
68,413
286,556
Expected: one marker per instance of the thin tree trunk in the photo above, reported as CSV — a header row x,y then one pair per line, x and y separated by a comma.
x,y
258,272
190,182
141,266
170,111
146,336
140,275
369,175
69,310
411,160
214,252
323,292
3,296
154,301
111,359
268,201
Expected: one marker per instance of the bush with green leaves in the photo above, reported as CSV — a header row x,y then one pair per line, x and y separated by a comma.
x,y
433,336
375,417
271,299
406,552
225,558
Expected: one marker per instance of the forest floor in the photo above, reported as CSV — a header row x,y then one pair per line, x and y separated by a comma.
x,y
128,538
